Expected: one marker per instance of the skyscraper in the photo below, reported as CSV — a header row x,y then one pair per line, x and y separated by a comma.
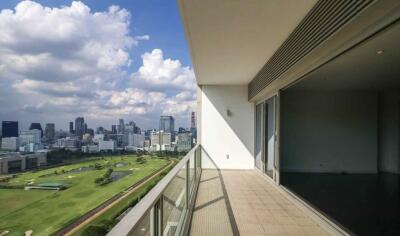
x,y
121,126
167,124
36,126
193,120
193,128
71,127
113,129
9,129
49,131
79,127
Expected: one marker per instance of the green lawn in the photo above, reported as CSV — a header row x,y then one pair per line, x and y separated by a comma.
x,y
113,212
45,211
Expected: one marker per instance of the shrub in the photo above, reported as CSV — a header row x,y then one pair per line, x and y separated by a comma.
x,y
95,230
98,180
98,166
105,179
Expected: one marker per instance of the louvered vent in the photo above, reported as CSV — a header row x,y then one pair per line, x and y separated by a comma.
x,y
324,19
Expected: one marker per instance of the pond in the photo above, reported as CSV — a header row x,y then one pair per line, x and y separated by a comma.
x,y
116,175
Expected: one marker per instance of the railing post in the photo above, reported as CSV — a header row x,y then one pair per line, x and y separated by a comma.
x,y
187,183
153,226
195,165
160,215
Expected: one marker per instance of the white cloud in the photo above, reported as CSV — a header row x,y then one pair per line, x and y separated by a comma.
x,y
63,62
163,74
67,43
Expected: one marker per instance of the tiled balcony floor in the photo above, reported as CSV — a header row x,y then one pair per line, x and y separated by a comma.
x,y
244,203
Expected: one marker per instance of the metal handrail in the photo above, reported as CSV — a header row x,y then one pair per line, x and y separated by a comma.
x,y
128,222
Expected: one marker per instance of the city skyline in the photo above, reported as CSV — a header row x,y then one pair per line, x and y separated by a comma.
x,y
89,126
134,71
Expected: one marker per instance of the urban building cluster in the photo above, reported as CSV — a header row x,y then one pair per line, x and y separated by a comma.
x,y
122,136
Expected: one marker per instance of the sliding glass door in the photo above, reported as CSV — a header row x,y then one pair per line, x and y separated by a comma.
x,y
258,152
269,134
266,137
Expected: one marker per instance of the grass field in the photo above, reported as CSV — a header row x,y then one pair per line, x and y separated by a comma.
x,y
113,212
45,211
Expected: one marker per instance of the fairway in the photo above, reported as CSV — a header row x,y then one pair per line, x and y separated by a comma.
x,y
45,211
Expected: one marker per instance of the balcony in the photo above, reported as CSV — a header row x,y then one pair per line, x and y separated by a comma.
x,y
195,201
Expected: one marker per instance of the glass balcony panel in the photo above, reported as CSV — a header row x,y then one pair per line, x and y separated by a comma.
x,y
143,227
191,174
174,204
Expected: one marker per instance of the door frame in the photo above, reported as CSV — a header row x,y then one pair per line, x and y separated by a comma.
x,y
264,149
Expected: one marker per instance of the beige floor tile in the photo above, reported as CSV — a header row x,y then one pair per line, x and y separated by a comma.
x,y
257,206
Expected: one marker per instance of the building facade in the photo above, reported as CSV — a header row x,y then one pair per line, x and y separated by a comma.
x,y
16,162
50,132
10,143
37,126
9,129
79,127
30,136
184,141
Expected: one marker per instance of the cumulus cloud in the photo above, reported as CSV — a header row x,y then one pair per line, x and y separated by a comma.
x,y
163,74
69,61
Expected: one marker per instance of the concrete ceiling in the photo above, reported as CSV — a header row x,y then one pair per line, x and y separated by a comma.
x,y
230,40
361,68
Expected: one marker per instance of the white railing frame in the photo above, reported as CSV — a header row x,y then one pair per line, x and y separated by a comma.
x,y
152,202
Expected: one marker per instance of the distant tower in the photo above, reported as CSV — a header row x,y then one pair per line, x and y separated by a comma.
x,y
71,127
167,124
121,126
36,126
50,131
193,120
79,127
193,128
113,129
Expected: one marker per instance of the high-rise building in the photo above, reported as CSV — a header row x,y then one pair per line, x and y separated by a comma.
x,y
184,141
167,124
71,127
193,128
49,132
99,130
135,140
10,143
29,136
121,126
113,129
160,141
9,129
79,127
37,126
193,120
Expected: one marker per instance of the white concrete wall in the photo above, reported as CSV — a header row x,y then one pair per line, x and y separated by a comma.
x,y
329,131
227,140
389,131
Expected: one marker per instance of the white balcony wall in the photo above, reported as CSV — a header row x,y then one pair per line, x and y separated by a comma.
x,y
227,127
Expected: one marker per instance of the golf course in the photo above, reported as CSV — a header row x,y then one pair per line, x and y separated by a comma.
x,y
48,200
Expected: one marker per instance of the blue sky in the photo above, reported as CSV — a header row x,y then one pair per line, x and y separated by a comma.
x,y
60,60
158,18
